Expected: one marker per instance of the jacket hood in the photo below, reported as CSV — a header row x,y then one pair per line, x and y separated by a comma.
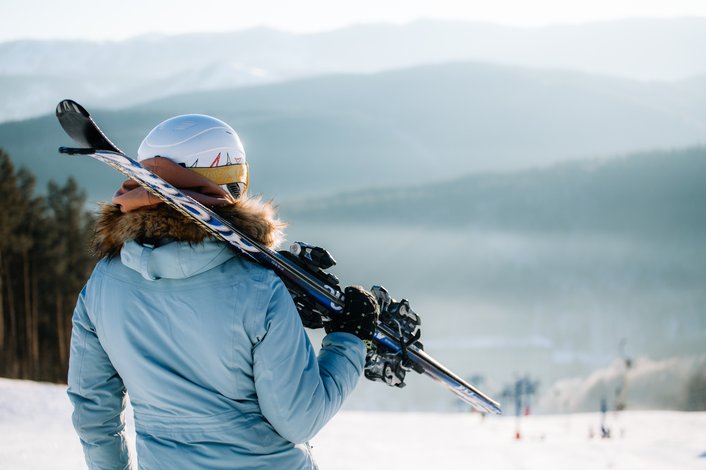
x,y
174,260
154,226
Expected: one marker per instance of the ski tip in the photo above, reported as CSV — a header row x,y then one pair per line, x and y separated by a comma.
x,y
489,408
70,106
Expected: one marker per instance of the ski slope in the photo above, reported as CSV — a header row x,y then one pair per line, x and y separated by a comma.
x,y
36,433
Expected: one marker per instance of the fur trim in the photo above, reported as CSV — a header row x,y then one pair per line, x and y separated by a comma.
x,y
253,217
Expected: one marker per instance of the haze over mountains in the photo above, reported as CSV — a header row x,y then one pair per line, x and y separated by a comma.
x,y
36,74
548,269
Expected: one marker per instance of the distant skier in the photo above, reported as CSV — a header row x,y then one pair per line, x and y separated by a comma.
x,y
605,430
209,345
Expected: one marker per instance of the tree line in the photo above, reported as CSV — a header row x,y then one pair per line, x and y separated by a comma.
x,y
44,263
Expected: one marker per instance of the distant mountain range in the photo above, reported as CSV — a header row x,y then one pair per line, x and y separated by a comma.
x,y
406,127
35,74
644,195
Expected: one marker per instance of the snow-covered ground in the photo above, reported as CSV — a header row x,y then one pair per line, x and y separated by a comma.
x,y
36,433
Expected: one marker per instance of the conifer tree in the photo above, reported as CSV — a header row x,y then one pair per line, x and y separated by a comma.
x,y
10,219
69,255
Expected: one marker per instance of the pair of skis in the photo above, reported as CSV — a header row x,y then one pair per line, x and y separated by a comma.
x,y
396,347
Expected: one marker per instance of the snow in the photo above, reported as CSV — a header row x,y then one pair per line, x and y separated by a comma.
x,y
36,433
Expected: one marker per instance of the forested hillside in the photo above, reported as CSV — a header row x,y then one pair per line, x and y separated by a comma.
x,y
44,262
641,195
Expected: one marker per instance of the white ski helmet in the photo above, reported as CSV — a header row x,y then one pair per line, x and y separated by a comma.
x,y
204,144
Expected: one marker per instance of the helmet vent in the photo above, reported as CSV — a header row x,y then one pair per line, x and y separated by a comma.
x,y
234,189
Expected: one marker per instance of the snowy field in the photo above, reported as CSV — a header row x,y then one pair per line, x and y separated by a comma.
x,y
36,433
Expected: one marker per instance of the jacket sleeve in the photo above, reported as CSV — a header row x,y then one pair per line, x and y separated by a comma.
x,y
298,392
98,396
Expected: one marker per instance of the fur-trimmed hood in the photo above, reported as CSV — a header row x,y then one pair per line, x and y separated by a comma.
x,y
113,228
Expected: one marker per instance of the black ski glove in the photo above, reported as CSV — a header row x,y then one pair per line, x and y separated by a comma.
x,y
359,316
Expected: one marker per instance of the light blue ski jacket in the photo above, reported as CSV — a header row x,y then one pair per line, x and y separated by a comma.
x,y
219,369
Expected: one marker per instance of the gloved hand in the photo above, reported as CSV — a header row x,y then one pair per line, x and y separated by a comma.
x,y
359,316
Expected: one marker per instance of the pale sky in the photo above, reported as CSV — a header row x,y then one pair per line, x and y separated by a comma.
x,y
120,19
